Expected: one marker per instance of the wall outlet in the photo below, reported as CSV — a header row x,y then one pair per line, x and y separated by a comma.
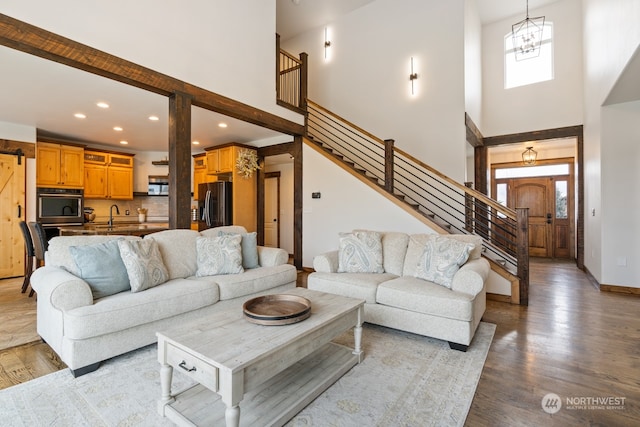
x,y
127,212
621,261
315,195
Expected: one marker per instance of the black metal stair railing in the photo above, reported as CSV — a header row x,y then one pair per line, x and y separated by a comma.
x,y
450,205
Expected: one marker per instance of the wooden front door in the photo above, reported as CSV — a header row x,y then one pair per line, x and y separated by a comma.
x,y
550,204
12,195
534,193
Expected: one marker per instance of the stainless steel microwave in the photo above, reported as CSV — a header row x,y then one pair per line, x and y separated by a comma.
x,y
158,185
59,206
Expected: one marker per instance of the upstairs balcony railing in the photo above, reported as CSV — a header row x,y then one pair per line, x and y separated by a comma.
x,y
291,79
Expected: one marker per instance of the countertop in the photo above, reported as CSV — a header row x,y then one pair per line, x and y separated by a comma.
x,y
137,229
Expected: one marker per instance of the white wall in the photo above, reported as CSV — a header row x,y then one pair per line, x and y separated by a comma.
x,y
225,46
366,79
286,204
621,196
472,65
545,105
345,204
16,132
611,36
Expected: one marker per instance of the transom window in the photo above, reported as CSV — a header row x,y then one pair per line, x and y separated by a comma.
x,y
530,70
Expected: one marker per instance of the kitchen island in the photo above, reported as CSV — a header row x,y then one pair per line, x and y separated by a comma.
x,y
133,229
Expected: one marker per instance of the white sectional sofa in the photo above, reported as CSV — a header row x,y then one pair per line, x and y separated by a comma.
x,y
84,330
396,298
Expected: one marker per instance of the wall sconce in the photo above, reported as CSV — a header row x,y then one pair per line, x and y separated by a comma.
x,y
412,77
529,156
327,43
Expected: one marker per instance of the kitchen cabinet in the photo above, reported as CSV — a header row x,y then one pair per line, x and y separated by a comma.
x,y
108,175
220,160
59,165
200,173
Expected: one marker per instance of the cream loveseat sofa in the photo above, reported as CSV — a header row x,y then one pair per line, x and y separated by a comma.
x,y
395,295
84,327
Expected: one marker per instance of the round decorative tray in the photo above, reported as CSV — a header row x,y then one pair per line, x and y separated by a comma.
x,y
280,309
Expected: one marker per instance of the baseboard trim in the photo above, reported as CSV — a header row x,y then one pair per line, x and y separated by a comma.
x,y
499,297
620,289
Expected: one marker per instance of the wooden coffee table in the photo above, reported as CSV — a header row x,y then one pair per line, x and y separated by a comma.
x,y
274,371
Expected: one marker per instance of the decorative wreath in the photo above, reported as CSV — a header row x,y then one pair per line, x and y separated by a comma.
x,y
247,163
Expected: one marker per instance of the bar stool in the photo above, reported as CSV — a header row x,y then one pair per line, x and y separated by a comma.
x,y
28,247
40,244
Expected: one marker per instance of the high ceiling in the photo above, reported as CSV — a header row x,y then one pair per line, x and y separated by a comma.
x,y
46,95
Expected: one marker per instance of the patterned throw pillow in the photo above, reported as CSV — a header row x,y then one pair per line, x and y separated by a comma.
x,y
219,255
143,262
441,259
249,246
101,266
360,252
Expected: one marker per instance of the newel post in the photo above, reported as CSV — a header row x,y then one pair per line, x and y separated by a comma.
x,y
522,252
304,73
468,209
388,165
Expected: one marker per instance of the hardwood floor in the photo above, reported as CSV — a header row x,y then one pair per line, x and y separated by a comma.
x,y
572,340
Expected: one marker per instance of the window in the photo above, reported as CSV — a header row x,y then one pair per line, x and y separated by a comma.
x,y
531,70
532,171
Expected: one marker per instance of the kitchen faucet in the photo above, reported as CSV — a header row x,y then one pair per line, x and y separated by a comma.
x,y
110,223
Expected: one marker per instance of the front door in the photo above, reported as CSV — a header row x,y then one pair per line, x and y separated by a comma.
x,y
12,188
550,203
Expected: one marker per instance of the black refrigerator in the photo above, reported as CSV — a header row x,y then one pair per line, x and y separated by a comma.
x,y
214,200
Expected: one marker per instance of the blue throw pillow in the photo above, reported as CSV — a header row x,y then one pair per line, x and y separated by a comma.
x,y
249,247
101,266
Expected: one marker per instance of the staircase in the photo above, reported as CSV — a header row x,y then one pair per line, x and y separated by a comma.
x,y
439,201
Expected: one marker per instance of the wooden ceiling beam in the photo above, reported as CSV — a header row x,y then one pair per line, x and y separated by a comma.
x,y
36,41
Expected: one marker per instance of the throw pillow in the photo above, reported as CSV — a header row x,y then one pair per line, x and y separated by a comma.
x,y
249,246
219,255
441,259
360,252
101,266
144,263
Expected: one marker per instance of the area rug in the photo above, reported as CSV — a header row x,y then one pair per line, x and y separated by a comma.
x,y
404,380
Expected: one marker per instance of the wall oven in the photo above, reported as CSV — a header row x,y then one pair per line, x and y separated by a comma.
x,y
59,206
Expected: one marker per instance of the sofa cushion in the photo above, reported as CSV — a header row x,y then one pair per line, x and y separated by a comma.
x,y
126,310
58,254
421,296
254,280
360,252
354,285
441,259
144,264
178,249
394,249
101,266
219,255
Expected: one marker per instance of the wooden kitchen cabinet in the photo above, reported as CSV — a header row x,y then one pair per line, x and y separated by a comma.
x,y
200,173
220,160
108,175
59,165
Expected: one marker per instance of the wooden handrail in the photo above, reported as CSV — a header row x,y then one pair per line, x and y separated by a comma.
x,y
510,213
356,127
290,56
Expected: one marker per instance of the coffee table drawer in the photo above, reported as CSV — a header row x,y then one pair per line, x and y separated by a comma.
x,y
192,366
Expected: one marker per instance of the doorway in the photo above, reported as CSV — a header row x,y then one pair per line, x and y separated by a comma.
x,y
547,190
272,209
12,197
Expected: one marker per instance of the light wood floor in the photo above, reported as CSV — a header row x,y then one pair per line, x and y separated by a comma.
x,y
572,340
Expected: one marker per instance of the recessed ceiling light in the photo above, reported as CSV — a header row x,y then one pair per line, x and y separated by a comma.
x,y
154,118
79,116
124,142
222,125
196,142
117,128
102,105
